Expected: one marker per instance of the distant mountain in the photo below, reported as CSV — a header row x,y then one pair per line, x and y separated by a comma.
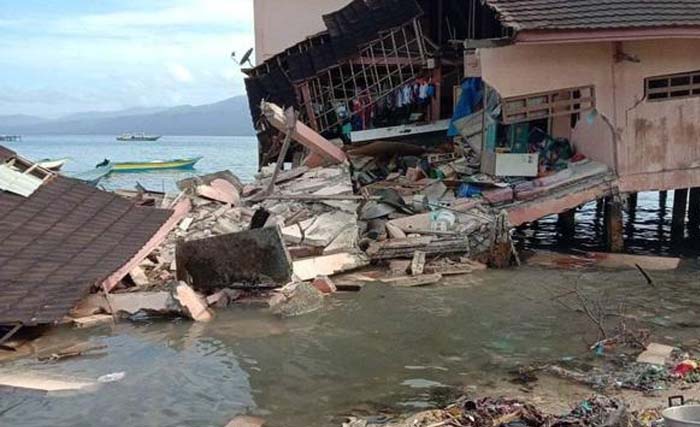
x,y
230,117
92,115
18,120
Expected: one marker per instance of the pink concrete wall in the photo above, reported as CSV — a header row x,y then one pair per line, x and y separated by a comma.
x,y
280,24
657,136
658,143
526,69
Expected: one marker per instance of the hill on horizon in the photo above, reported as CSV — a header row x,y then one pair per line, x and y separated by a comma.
x,y
230,117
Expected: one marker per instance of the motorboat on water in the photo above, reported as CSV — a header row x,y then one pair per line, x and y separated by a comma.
x,y
137,137
186,163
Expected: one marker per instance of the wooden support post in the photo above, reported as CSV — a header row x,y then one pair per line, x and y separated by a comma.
x,y
680,206
614,225
567,224
663,197
694,212
631,203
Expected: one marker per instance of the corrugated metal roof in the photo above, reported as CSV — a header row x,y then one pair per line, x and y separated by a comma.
x,y
596,14
60,242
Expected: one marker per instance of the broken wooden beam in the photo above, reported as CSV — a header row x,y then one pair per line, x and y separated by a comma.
x,y
303,134
413,281
405,248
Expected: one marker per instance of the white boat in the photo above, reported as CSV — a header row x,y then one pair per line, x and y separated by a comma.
x,y
137,137
52,164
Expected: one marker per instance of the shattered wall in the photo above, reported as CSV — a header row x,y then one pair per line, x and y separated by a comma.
x,y
657,145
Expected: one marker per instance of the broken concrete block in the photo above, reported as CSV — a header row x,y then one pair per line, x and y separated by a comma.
x,y
221,191
90,321
138,276
656,354
292,234
186,223
399,267
327,227
418,263
226,226
251,257
194,304
147,302
413,223
328,265
295,299
324,284
246,421
346,241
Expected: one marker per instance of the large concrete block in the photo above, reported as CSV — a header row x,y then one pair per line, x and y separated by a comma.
x,y
250,257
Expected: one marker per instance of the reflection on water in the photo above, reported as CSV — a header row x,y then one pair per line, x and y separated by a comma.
x,y
647,230
382,347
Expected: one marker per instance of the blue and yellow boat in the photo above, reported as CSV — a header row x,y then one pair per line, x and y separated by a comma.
x,y
119,167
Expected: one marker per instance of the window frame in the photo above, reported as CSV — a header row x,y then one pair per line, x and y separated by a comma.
x,y
692,87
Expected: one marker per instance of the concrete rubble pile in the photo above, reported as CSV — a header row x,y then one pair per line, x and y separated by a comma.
x,y
324,228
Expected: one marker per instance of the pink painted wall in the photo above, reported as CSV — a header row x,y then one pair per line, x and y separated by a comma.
x,y
525,69
658,143
657,136
280,24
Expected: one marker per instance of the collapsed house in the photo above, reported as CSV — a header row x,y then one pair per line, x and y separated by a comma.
x,y
558,104
61,239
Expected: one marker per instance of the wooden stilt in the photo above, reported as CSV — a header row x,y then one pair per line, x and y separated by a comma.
x,y
614,225
694,212
663,197
631,203
567,224
680,205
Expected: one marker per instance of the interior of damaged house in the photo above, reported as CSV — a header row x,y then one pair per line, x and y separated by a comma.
x,y
480,213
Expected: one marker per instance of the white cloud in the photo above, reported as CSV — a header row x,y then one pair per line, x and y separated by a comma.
x,y
180,73
179,53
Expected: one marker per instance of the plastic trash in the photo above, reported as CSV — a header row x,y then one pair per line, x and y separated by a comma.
x,y
110,378
442,220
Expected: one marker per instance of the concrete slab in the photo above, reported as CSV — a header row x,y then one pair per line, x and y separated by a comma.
x,y
250,257
328,265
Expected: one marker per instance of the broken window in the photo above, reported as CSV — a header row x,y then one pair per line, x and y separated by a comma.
x,y
672,86
22,177
544,105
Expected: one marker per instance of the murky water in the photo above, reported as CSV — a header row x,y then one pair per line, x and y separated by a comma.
x,y
382,347
647,230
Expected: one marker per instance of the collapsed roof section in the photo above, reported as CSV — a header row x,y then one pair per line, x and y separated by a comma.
x,y
62,240
348,29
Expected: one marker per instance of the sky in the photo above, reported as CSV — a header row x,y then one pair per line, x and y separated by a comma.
x,y
65,56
